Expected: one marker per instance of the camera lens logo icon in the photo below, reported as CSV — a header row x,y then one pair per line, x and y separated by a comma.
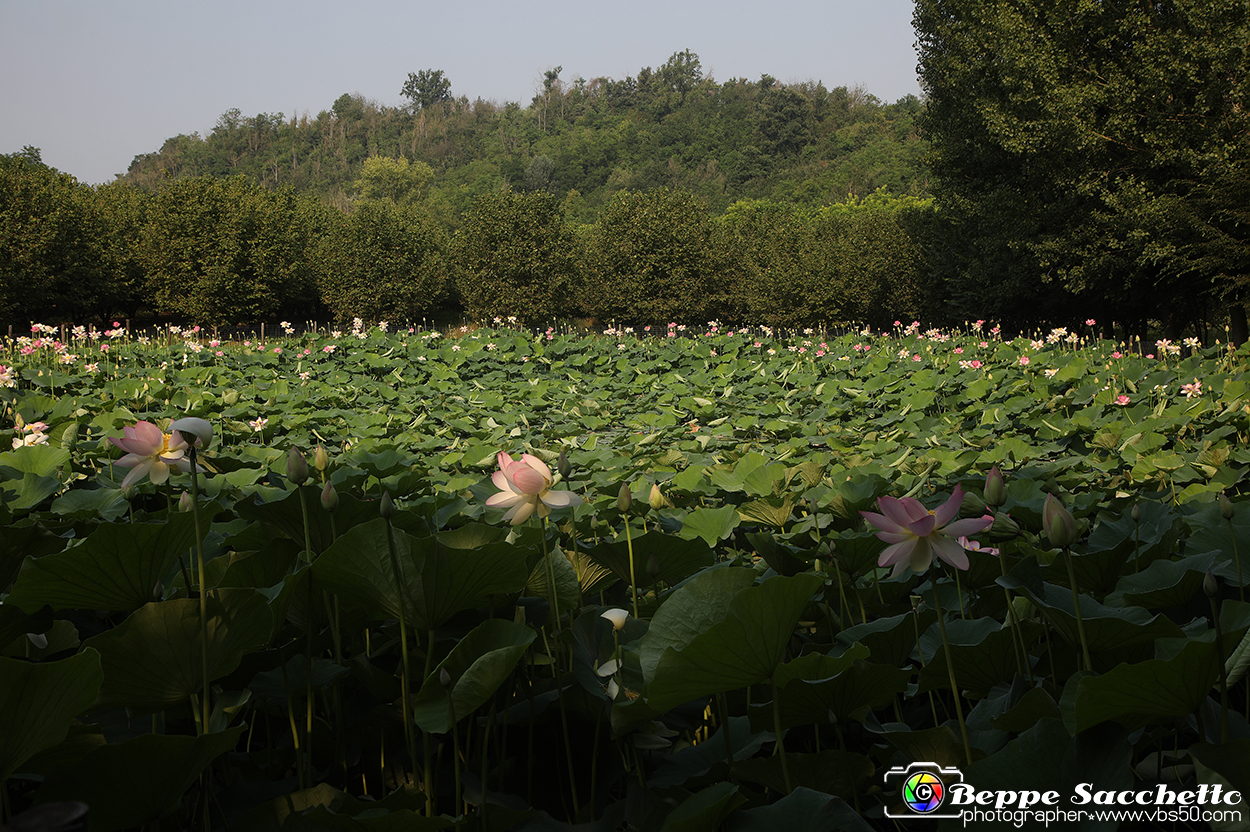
x,y
923,792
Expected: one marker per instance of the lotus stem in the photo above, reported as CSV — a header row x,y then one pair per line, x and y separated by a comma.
x,y
405,673
199,562
1076,605
633,582
781,745
950,672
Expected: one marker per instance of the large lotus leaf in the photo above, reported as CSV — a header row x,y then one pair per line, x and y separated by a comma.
x,y
88,503
286,515
1135,694
704,811
856,553
438,581
811,701
1034,706
14,623
691,610
1152,537
38,460
140,781
22,541
478,664
28,491
60,637
677,557
931,745
741,648
1047,758
734,479
981,650
841,773
892,640
1108,629
292,679
37,702
856,494
568,591
1165,584
1227,764
116,568
710,524
154,659
803,810
697,761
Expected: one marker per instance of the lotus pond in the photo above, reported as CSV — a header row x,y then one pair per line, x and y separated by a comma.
x,y
330,627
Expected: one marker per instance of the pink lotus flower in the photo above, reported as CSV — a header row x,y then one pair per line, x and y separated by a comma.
x,y
916,534
150,453
525,488
1122,400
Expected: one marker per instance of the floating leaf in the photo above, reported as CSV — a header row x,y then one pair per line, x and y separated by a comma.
x,y
478,664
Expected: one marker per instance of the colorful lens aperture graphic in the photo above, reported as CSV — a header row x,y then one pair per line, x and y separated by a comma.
x,y
923,792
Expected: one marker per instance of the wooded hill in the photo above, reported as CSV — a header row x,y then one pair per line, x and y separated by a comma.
x,y
582,140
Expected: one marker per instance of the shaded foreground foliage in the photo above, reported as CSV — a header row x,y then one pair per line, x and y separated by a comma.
x,y
381,648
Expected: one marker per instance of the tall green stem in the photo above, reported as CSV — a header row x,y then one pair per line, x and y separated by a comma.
x,y
950,672
1076,606
199,562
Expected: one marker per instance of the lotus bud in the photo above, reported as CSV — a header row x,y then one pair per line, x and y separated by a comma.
x,y
1226,506
1136,513
296,467
158,591
128,491
444,678
995,488
185,503
653,566
1004,528
329,497
656,498
321,459
972,506
624,498
386,505
39,640
1058,523
1209,585
563,466
194,431
618,617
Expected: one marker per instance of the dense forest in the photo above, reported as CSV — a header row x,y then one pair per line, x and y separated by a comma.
x,y
584,141
1067,163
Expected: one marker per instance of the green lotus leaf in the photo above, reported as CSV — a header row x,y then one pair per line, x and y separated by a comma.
x,y
116,568
803,810
37,702
139,781
710,524
704,811
1164,584
438,581
737,640
1136,694
478,664
153,659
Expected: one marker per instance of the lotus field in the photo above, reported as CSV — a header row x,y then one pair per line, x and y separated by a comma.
x,y
664,579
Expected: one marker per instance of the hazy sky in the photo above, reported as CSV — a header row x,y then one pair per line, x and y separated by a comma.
x,y
93,83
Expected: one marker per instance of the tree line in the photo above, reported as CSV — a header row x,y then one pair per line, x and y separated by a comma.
x,y
671,127
224,251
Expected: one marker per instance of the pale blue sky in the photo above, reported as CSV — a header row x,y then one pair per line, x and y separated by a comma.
x,y
93,83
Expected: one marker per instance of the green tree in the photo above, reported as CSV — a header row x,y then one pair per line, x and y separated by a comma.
x,y
652,259
516,255
426,88
383,262
224,251
398,180
1063,136
47,271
